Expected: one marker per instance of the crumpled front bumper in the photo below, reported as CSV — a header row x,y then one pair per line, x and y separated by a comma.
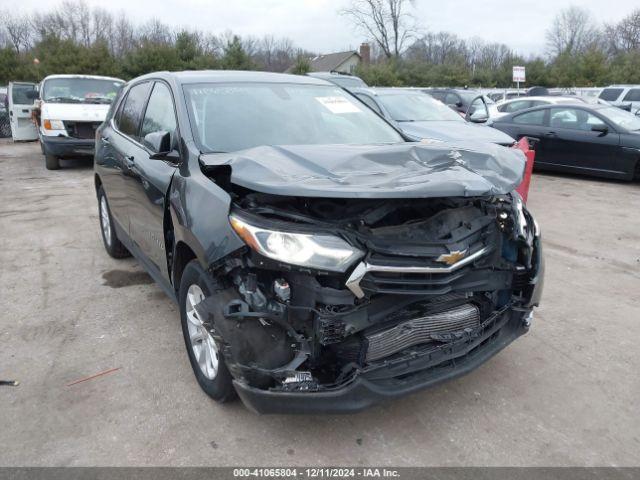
x,y
452,360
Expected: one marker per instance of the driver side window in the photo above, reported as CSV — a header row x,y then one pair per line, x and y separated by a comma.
x,y
160,115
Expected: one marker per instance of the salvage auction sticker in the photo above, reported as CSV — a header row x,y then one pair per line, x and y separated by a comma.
x,y
338,105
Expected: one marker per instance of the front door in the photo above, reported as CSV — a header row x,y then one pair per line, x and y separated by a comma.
x,y
120,142
21,104
573,144
149,179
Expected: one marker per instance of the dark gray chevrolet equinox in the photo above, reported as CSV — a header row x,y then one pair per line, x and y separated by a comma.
x,y
320,261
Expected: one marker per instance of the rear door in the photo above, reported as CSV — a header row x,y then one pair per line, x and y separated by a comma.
x,y
20,109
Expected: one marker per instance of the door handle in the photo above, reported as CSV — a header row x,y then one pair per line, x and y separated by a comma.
x,y
104,140
551,134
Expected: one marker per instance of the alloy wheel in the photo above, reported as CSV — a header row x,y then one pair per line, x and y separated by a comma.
x,y
203,345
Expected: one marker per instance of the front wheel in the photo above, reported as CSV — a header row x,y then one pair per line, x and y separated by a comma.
x,y
112,243
204,352
52,162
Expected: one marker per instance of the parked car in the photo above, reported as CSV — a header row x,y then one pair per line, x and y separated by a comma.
x,y
623,96
344,80
510,106
590,139
71,109
422,117
319,260
459,100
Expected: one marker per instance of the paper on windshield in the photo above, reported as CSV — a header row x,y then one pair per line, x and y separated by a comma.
x,y
338,105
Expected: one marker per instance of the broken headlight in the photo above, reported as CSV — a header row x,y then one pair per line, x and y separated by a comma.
x,y
319,251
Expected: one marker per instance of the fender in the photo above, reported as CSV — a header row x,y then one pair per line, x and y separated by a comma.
x,y
195,221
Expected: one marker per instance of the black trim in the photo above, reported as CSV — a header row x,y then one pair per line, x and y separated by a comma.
x,y
362,393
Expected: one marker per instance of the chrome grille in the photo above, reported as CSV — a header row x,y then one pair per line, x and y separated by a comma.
x,y
419,330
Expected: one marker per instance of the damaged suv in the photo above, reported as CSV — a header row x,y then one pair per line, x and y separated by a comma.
x,y
320,261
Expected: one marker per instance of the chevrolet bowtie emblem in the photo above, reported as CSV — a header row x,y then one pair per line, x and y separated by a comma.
x,y
453,257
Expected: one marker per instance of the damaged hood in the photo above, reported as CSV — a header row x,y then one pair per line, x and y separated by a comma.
x,y
407,170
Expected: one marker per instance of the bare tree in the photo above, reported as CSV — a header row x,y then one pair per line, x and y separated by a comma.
x,y
386,21
17,30
572,32
438,48
624,36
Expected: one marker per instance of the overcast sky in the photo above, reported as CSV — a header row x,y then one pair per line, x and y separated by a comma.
x,y
316,26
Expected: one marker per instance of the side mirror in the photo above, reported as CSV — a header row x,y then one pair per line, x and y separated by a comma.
x,y
160,144
482,119
603,129
478,111
459,104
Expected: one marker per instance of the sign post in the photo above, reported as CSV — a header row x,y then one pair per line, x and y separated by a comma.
x,y
519,75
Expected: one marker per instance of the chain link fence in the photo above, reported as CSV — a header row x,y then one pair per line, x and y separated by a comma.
x,y
5,127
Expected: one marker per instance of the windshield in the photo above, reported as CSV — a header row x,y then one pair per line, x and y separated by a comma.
x,y
621,118
80,90
232,117
418,108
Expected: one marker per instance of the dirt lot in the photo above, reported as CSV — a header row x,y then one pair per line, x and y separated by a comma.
x,y
568,393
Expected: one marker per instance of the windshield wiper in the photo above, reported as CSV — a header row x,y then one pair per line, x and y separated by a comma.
x,y
62,99
97,100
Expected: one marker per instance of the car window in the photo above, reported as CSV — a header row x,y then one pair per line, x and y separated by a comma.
x,y
516,106
370,103
573,119
160,115
632,95
451,99
237,116
530,118
19,93
128,118
611,94
437,95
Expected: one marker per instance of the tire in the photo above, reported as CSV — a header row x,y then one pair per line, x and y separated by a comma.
x,y
112,243
196,285
52,162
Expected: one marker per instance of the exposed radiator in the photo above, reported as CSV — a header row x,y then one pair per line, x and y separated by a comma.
x,y
419,330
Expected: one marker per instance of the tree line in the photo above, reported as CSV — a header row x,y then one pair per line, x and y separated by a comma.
x,y
76,38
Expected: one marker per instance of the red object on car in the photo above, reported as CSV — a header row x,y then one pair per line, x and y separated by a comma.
x,y
523,188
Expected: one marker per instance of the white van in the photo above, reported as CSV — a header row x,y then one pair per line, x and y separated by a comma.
x,y
72,107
